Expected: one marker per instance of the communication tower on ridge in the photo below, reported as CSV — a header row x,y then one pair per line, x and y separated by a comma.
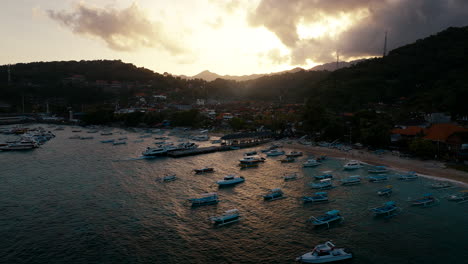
x,y
385,45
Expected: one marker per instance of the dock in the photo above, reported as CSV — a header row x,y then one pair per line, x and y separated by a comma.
x,y
205,150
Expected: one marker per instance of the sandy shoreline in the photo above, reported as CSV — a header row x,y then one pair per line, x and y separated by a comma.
x,y
429,168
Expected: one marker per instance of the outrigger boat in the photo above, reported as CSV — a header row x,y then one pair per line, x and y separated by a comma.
x,y
326,175
168,178
272,147
206,199
274,194
427,200
316,198
206,169
230,180
352,165
324,184
385,191
120,142
378,178
287,160
294,154
252,159
389,209
459,197
250,153
153,152
440,185
107,141
325,253
290,177
326,219
229,217
86,137
411,175
275,152
378,169
311,163
351,180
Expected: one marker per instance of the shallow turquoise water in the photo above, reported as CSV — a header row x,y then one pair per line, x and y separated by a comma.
x,y
82,201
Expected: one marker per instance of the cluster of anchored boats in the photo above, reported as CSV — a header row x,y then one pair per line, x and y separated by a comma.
x,y
29,139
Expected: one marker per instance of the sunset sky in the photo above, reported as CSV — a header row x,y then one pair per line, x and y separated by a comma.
x,y
223,36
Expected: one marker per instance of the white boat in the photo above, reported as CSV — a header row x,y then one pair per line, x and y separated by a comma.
x,y
327,218
229,217
275,152
205,199
324,184
273,194
120,142
411,175
290,177
316,198
352,165
18,146
168,178
230,180
251,159
351,180
325,253
325,175
311,163
154,151
294,154
459,197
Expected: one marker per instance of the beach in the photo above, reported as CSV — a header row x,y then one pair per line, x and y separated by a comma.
x,y
427,168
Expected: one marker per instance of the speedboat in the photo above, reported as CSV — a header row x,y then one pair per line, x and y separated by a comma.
x,y
154,151
378,169
427,200
290,176
229,217
385,191
325,253
275,152
230,180
351,180
203,170
324,184
311,163
411,175
378,178
273,194
205,199
325,175
294,154
352,165
316,198
440,185
287,160
168,178
459,197
388,209
327,218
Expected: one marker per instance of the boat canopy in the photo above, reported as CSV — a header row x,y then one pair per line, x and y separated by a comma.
x,y
333,212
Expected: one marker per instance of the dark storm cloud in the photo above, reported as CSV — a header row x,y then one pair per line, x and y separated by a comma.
x,y
123,30
405,21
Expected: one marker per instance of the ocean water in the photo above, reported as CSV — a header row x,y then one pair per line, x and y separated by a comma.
x,y
82,201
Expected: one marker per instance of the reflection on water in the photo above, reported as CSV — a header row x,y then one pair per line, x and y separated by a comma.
x,y
82,201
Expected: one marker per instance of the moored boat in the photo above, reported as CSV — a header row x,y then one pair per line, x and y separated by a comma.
x,y
287,160
251,159
327,218
154,151
273,194
351,180
460,197
294,154
168,178
427,200
290,176
352,165
230,180
385,191
316,198
378,169
275,152
378,178
325,253
311,163
108,141
388,209
411,175
229,217
325,175
205,199
119,142
204,170
440,185
250,153
324,184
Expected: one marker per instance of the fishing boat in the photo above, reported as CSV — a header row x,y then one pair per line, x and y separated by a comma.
x,y
290,177
234,147
321,158
287,160
76,130
351,180
388,209
59,128
294,154
427,200
311,163
411,175
329,217
18,146
460,197
230,180
325,253
385,191
86,137
106,133
275,152
229,217
123,138
154,151
108,141
250,153
378,178
205,199
352,165
249,164
92,131
440,185
270,148
252,159
204,170
378,169
318,197
168,178
324,184
325,175
119,142
138,141
144,136
273,194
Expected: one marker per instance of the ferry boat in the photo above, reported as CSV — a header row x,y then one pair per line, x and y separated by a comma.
x,y
408,176
311,163
275,152
203,170
294,154
273,194
325,253
427,200
378,178
351,180
385,191
205,199
389,209
318,197
154,151
327,218
352,165
290,177
378,169
229,217
324,184
459,197
230,180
